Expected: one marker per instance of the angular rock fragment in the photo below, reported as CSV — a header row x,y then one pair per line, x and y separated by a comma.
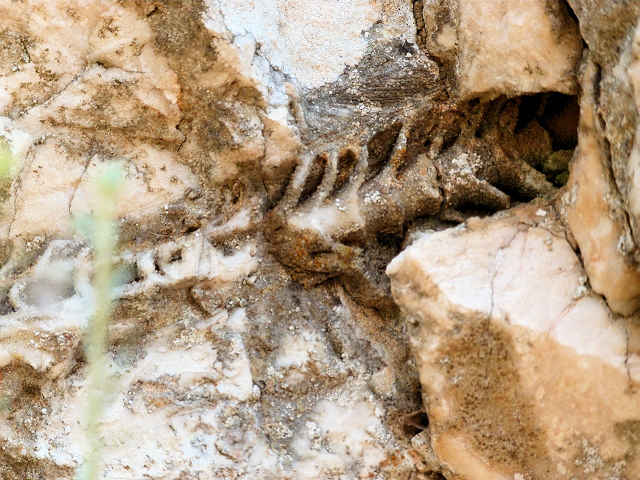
x,y
504,47
611,103
525,372
595,221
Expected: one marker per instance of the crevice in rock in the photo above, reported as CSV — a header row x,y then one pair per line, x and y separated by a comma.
x,y
626,355
421,34
415,422
618,213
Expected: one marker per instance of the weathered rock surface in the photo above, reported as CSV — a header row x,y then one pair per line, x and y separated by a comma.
x,y
595,223
221,366
525,372
504,47
278,155
604,218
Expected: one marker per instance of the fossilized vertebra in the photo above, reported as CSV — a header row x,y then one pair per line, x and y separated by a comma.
x,y
339,202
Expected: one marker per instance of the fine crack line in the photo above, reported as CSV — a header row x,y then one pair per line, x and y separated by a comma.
x,y
495,269
16,188
55,95
81,179
627,334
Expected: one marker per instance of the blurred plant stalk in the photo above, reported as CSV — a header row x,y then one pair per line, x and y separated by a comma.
x,y
6,161
6,165
107,184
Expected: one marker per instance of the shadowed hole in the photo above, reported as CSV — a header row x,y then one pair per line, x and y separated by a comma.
x,y
346,163
380,147
315,176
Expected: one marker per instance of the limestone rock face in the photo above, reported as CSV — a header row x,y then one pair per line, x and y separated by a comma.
x,y
220,366
596,220
525,372
607,154
278,155
504,47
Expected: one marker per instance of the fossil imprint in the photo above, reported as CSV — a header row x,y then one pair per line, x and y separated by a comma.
x,y
426,156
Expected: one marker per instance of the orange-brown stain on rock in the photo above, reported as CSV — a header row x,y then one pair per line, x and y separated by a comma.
x,y
489,405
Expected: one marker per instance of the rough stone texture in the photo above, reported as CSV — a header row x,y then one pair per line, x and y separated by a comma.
x,y
590,215
221,366
525,372
507,47
610,121
279,155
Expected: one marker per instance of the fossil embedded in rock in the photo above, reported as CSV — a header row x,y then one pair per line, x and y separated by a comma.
x,y
341,203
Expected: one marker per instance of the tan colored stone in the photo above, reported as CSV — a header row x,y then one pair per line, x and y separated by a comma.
x,y
516,46
591,217
524,372
610,31
44,49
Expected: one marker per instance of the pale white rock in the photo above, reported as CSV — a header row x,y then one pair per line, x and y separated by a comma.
x,y
47,187
296,349
121,40
312,42
239,53
188,259
185,398
117,99
154,177
519,373
517,46
339,432
59,187
146,401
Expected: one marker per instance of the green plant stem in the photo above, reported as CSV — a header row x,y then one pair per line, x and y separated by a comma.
x,y
97,342
104,241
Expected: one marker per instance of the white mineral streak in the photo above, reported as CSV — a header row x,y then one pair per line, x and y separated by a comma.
x,y
343,213
191,259
509,338
515,46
